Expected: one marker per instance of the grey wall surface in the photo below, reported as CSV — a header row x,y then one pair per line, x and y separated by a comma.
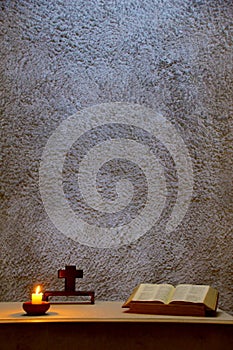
x,y
95,58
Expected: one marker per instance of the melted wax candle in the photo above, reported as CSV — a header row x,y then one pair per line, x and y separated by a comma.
x,y
37,297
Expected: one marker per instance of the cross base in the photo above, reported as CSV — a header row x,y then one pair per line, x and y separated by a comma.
x,y
90,294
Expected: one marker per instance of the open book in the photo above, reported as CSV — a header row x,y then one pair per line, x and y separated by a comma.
x,y
185,299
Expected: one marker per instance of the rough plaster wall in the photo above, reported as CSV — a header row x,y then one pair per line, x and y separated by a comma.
x,y
60,57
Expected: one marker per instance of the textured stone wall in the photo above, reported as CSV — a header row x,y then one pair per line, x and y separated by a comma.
x,y
136,95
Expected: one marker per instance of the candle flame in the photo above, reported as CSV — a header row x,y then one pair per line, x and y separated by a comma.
x,y
37,289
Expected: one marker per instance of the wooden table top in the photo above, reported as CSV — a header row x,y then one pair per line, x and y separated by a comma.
x,y
101,311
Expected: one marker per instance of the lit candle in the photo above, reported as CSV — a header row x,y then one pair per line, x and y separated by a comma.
x,y
37,297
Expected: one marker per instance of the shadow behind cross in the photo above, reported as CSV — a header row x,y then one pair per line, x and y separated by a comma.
x,y
70,274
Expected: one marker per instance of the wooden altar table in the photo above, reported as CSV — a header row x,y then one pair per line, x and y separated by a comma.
x,y
105,325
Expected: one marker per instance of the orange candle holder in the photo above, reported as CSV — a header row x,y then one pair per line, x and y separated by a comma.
x,y
36,309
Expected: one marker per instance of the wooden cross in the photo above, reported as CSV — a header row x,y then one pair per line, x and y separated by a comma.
x,y
70,274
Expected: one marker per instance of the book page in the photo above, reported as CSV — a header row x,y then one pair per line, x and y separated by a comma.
x,y
190,293
211,299
154,292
